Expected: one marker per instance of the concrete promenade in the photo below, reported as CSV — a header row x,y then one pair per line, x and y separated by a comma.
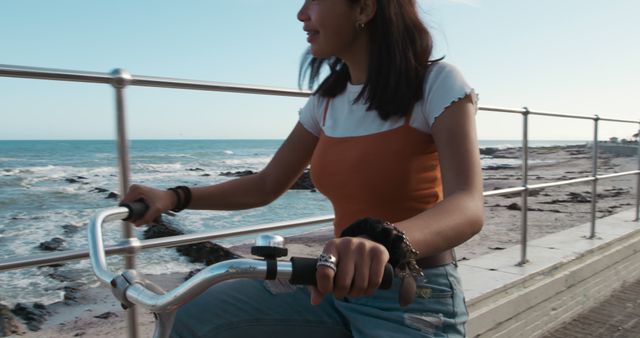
x,y
616,317
571,287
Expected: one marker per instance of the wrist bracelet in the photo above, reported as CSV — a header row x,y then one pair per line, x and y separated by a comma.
x,y
183,197
408,264
402,255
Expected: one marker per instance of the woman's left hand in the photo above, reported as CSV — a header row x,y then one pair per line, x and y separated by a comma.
x,y
360,266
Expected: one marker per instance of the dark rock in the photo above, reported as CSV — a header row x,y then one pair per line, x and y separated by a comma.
x,y
553,201
497,248
34,316
113,195
8,323
79,334
498,167
303,182
207,253
205,175
70,229
98,190
575,197
60,277
489,151
532,193
71,294
195,169
237,173
613,192
54,244
76,180
159,230
54,265
509,156
514,206
106,315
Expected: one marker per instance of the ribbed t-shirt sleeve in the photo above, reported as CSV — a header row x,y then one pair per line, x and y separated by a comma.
x,y
445,85
310,115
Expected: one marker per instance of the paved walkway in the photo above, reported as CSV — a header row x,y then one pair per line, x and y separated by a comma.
x,y
616,317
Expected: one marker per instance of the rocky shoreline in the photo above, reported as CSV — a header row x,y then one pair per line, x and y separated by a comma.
x,y
92,312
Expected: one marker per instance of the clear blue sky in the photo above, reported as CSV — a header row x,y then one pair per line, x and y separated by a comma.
x,y
570,56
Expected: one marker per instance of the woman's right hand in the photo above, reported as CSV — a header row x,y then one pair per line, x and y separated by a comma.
x,y
158,201
359,269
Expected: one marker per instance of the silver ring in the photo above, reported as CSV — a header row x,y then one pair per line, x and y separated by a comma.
x,y
327,260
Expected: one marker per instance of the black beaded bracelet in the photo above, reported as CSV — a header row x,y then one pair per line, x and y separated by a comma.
x,y
183,197
402,255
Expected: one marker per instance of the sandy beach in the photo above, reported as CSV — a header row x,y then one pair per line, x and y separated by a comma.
x,y
95,313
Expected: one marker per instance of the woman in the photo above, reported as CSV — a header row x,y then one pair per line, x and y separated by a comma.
x,y
391,141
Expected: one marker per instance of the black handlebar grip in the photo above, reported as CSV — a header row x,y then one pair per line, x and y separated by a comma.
x,y
303,272
137,210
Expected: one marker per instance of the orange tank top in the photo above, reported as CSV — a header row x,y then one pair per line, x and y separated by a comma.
x,y
392,175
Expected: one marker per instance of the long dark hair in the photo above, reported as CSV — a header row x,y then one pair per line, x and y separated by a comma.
x,y
399,52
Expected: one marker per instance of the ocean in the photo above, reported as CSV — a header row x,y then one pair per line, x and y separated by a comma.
x,y
51,188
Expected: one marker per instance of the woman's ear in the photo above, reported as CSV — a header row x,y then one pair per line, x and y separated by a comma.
x,y
367,10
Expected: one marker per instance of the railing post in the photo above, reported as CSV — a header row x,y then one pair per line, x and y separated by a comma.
x,y
525,184
594,174
638,179
121,78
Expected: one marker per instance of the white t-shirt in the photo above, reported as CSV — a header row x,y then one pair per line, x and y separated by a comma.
x,y
444,86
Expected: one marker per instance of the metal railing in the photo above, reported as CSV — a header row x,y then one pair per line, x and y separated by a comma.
x,y
120,80
525,188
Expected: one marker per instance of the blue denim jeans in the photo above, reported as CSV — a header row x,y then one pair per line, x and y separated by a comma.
x,y
248,308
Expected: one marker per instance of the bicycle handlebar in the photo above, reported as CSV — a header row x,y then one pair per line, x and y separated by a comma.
x,y
131,287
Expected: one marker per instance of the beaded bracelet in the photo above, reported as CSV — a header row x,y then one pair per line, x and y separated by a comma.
x,y
183,197
402,255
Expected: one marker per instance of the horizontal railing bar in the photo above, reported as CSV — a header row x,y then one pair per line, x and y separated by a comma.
x,y
58,257
502,110
163,82
54,74
554,184
46,259
618,120
205,236
541,113
503,191
581,117
148,81
633,172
